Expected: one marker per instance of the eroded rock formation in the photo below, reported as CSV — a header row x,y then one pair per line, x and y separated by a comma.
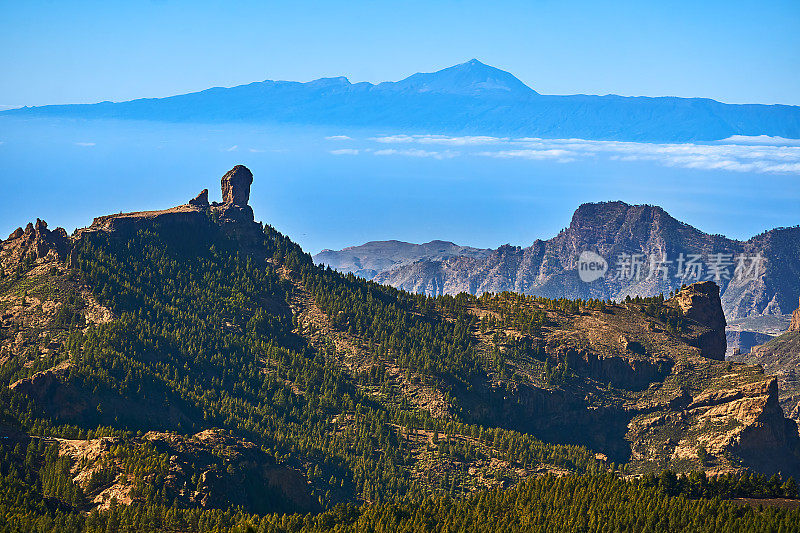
x,y
34,242
236,186
700,303
201,200
234,215
795,324
731,416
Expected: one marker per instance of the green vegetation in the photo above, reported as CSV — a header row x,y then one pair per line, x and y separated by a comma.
x,y
204,337
548,503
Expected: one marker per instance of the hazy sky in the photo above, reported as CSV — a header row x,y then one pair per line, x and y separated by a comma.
x,y
86,51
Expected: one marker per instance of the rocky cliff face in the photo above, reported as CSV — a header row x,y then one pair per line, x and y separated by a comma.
x,y
735,415
640,391
621,377
616,230
795,323
234,216
700,302
780,356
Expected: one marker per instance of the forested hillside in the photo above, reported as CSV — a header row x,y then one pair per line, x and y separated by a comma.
x,y
191,369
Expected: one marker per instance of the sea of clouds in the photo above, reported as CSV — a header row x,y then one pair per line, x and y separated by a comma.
x,y
760,154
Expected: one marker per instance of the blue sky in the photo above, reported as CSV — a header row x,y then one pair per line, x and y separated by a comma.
x,y
330,188
85,51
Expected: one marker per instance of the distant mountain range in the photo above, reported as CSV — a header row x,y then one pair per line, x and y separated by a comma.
x,y
373,258
612,230
467,98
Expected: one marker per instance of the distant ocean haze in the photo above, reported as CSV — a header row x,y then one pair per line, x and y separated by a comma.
x,y
335,187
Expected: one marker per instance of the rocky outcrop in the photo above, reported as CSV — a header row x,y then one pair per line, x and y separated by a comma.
x,y
201,200
34,242
700,303
780,356
227,468
794,325
236,186
620,371
768,441
729,419
212,469
187,218
234,215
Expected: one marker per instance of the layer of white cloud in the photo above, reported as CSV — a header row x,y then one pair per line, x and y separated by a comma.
x,y
345,151
232,148
737,154
760,139
84,144
415,152
562,156
338,138
440,139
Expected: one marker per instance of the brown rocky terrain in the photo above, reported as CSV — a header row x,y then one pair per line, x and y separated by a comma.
x,y
643,394
780,356
700,302
198,467
211,470
41,299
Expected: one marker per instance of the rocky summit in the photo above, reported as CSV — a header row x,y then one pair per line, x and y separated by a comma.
x,y
35,242
236,186
616,231
700,302
233,215
201,200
